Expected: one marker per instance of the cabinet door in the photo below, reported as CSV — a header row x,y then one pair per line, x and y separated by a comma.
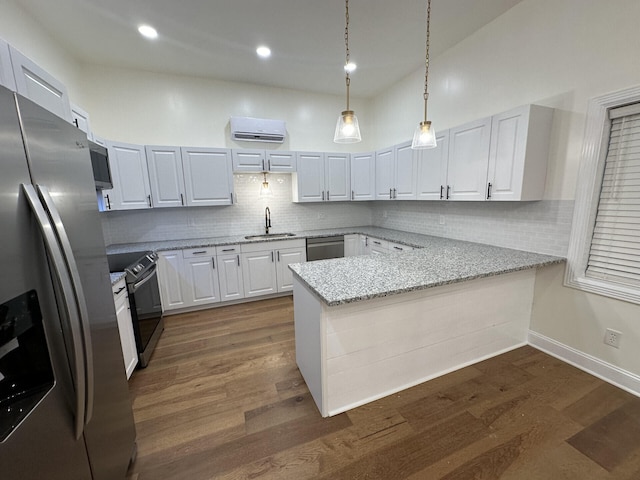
x,y
6,70
130,177
280,161
39,86
518,154
171,279
230,277
248,160
384,174
259,273
432,169
165,176
351,245
284,258
80,118
125,327
363,176
405,172
208,176
337,181
308,181
469,160
201,281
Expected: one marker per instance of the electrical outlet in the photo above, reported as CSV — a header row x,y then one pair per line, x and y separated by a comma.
x,y
442,222
612,337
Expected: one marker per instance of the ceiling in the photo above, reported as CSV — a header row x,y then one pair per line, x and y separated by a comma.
x,y
218,38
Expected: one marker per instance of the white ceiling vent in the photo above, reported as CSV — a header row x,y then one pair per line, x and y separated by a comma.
x,y
250,129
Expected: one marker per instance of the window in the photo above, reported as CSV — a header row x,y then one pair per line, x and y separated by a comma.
x,y
604,251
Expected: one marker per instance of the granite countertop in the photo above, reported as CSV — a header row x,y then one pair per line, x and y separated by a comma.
x,y
440,261
116,277
406,238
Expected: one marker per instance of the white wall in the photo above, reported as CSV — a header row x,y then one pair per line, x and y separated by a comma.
x,y
558,53
151,108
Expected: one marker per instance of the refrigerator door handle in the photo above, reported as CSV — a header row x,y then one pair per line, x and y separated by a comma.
x,y
81,302
61,273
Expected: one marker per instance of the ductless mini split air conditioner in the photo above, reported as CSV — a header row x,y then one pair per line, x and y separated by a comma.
x,y
250,129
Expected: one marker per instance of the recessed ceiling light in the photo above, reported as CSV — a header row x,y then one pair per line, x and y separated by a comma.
x,y
263,52
350,67
148,31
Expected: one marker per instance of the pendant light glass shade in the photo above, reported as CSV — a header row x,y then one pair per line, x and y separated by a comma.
x,y
265,189
424,136
347,129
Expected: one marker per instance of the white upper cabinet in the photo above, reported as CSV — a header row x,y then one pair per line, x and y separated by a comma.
x,y
518,153
165,176
281,161
384,174
6,70
80,118
468,160
208,176
363,176
432,169
36,84
337,181
130,177
250,160
404,172
396,173
321,177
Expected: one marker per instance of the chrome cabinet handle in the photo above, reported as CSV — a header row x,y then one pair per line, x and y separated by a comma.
x,y
108,201
119,290
238,260
352,195
489,191
448,191
213,262
323,195
228,249
395,193
231,198
149,200
441,192
263,165
271,257
181,199
199,252
61,272
278,255
269,165
390,193
328,197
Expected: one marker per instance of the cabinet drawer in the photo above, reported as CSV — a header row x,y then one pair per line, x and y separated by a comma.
x,y
199,252
227,249
398,247
376,242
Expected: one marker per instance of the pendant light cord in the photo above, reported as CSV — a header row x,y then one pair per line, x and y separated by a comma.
x,y
426,73
346,43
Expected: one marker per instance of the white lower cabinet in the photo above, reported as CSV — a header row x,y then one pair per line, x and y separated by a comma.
x,y
352,245
266,271
230,272
171,279
197,277
125,327
201,285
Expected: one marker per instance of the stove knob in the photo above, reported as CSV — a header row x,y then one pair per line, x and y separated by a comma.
x,y
137,268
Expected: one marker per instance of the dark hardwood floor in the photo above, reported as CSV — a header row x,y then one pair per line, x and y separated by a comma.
x,y
223,399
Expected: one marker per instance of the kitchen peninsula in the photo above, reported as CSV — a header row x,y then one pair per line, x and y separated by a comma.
x,y
370,326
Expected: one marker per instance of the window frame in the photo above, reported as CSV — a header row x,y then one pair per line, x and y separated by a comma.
x,y
590,174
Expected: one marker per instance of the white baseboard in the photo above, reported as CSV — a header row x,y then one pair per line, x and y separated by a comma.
x,y
623,379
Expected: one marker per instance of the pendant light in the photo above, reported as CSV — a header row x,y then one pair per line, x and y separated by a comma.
x,y
425,135
265,189
347,129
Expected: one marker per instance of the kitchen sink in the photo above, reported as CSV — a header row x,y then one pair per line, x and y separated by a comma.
x,y
269,236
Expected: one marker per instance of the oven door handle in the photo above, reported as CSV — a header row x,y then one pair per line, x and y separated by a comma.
x,y
134,288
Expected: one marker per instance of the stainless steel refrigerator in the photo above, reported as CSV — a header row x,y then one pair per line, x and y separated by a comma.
x,y
65,411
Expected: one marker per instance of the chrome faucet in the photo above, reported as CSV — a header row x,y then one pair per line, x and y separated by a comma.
x,y
267,220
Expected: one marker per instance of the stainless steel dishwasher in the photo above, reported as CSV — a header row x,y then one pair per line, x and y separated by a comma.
x,y
322,248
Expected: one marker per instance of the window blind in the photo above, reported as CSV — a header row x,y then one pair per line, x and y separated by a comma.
x,y
615,247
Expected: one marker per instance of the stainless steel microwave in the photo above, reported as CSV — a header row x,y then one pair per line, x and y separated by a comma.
x,y
100,164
